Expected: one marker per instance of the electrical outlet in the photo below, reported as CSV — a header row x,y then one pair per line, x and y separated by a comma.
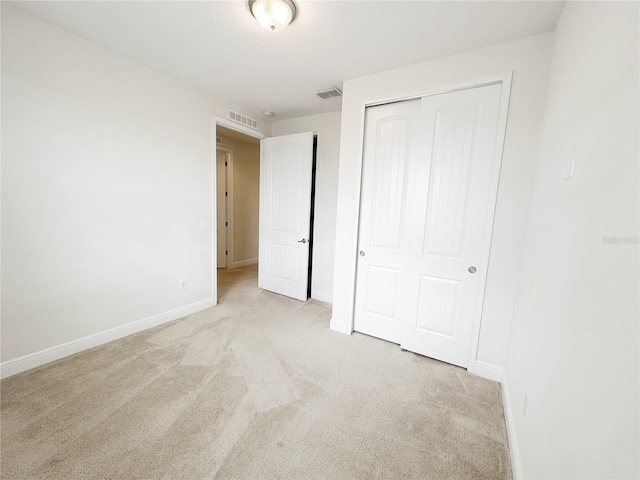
x,y
525,405
182,283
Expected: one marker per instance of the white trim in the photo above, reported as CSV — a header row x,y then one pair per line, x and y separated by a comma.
x,y
214,212
322,296
244,263
488,371
514,450
345,325
33,360
466,84
338,325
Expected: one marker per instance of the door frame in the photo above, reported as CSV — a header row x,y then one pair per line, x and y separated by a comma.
x,y
215,121
229,213
345,324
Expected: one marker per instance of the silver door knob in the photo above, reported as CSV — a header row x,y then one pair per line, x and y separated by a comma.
x,y
473,269
304,240
361,253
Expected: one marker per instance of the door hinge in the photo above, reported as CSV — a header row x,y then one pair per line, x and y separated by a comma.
x,y
226,194
226,252
226,224
226,164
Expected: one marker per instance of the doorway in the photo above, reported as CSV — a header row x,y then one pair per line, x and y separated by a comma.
x,y
237,168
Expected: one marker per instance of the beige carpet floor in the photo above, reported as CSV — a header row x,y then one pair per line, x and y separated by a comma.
x,y
255,388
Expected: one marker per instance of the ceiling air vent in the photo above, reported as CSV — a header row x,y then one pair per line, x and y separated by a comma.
x,y
329,93
243,119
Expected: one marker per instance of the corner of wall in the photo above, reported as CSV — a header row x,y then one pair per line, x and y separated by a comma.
x,y
514,450
488,371
339,326
322,296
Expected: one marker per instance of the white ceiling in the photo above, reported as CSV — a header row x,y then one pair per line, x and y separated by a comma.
x,y
220,48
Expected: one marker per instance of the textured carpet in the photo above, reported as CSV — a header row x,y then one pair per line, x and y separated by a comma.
x,y
257,387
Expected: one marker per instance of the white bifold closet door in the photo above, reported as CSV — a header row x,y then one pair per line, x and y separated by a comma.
x,y
425,209
286,165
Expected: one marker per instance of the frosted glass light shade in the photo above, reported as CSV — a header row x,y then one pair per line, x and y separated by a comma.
x,y
273,15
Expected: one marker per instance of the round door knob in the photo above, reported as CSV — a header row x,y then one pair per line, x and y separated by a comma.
x,y
361,253
473,269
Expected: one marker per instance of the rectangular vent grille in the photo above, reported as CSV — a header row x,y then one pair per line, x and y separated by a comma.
x,y
243,119
330,93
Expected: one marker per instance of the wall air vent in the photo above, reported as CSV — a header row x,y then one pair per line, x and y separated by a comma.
x,y
329,93
243,119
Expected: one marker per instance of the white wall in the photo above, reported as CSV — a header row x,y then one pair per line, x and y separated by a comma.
x,y
107,174
246,201
574,343
327,126
529,59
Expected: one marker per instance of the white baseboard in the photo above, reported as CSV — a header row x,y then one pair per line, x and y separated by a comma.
x,y
486,370
33,360
514,450
244,263
339,326
322,296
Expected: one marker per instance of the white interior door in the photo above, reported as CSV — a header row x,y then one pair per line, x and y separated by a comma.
x,y
389,149
431,192
285,214
221,213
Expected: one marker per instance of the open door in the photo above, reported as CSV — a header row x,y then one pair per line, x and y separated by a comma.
x,y
286,165
222,208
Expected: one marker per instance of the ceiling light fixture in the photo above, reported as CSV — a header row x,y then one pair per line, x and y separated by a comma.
x,y
273,15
